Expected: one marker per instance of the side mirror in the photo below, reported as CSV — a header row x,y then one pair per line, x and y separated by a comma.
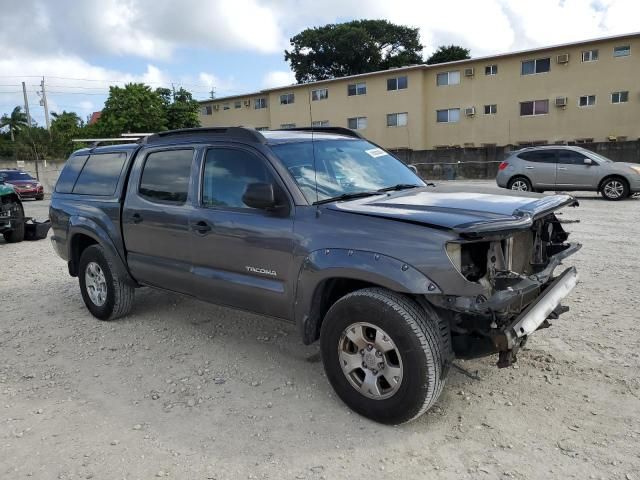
x,y
260,195
588,161
413,168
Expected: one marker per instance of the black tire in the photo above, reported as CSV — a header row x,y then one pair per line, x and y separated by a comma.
x,y
611,186
417,334
41,197
524,181
16,234
119,294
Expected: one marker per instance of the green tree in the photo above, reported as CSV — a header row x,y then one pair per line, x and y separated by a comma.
x,y
359,46
181,110
134,108
64,127
15,122
449,53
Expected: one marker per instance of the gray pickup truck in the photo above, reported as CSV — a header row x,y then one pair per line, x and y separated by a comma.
x,y
325,229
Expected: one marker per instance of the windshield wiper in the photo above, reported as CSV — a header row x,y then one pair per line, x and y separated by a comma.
x,y
399,186
346,196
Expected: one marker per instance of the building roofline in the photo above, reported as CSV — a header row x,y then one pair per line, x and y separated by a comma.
x,y
426,67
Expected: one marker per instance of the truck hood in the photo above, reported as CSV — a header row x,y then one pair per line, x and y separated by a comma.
x,y
466,213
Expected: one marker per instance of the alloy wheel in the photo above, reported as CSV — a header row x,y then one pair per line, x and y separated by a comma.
x,y
96,284
520,186
370,360
613,189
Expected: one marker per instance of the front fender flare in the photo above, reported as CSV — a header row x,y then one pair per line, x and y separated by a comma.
x,y
370,267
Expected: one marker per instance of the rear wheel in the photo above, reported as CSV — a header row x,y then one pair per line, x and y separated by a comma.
x,y
105,292
614,188
16,234
383,355
520,184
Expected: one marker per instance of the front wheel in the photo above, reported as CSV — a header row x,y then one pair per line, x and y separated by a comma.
x,y
384,355
614,189
105,292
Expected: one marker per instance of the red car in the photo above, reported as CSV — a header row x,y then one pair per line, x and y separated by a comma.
x,y
24,184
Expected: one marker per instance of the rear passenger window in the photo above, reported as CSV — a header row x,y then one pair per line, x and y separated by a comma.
x,y
100,174
69,174
165,176
227,172
547,156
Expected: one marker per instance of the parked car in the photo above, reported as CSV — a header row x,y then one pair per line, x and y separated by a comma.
x,y
25,184
11,214
324,229
568,169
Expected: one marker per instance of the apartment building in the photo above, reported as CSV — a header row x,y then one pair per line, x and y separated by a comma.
x,y
572,93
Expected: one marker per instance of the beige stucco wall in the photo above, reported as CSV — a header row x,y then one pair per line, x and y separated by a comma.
x,y
506,89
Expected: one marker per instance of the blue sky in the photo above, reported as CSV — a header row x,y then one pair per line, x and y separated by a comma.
x,y
237,46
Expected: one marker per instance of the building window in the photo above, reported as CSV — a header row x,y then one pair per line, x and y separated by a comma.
x,y
287,99
225,106
357,123
451,115
491,70
623,51
397,119
534,107
207,110
491,109
540,65
398,83
357,89
587,100
259,103
320,94
620,97
320,123
589,55
448,78
287,125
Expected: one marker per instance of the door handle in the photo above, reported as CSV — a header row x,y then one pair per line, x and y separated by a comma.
x,y
201,227
529,168
136,218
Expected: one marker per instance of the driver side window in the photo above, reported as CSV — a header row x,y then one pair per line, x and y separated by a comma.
x,y
227,172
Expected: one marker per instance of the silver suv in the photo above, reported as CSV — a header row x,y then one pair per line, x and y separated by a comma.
x,y
568,168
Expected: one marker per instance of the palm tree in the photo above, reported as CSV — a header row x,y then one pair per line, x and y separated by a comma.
x,y
16,121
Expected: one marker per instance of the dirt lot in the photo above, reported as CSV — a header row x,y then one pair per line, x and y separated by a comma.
x,y
183,389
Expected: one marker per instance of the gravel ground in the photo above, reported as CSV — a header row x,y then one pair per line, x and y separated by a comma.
x,y
183,389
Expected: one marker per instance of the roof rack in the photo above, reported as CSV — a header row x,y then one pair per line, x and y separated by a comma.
x,y
205,133
338,130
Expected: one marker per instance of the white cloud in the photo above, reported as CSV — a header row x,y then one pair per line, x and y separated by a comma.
x,y
278,78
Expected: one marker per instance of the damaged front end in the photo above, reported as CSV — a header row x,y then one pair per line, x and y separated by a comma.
x,y
512,269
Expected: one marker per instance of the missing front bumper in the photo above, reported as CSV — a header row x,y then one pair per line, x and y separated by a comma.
x,y
541,308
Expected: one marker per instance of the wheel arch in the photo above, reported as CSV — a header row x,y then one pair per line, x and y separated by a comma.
x,y
611,176
519,175
83,233
330,274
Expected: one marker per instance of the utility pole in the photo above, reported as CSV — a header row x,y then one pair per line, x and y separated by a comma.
x,y
26,104
212,93
43,103
173,89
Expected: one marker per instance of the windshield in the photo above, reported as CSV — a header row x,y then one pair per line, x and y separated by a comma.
x,y
15,175
344,167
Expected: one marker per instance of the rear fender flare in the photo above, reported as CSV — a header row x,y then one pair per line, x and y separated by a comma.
x,y
84,226
370,267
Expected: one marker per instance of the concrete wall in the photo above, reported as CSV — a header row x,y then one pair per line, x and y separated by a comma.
x,y
48,174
